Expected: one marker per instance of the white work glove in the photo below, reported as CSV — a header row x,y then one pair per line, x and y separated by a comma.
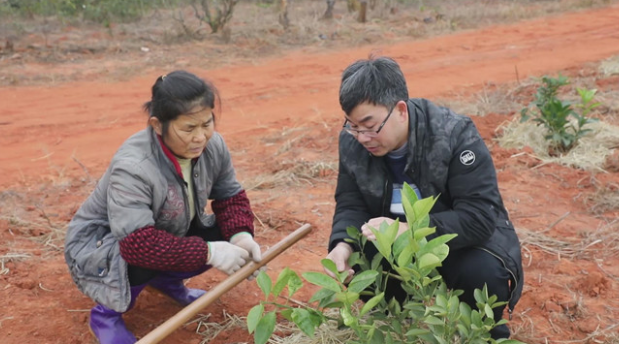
x,y
246,241
339,255
226,257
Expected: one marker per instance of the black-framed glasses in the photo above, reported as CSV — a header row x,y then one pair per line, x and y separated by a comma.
x,y
367,132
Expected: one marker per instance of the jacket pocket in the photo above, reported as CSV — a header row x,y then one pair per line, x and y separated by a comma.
x,y
93,260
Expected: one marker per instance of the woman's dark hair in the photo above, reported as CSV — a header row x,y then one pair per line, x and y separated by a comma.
x,y
178,93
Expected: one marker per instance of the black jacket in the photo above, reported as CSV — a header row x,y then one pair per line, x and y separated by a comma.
x,y
446,157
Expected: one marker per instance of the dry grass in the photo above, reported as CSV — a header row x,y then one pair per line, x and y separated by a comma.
x,y
285,332
610,66
600,243
502,99
604,199
293,173
10,257
42,229
590,153
254,31
523,329
210,330
36,217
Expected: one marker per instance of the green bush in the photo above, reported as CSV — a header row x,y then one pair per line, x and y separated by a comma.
x,y
431,313
564,122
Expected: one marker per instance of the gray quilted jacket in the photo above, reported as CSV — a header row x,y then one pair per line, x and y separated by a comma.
x,y
140,188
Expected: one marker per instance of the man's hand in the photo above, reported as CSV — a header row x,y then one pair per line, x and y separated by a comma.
x,y
376,222
246,241
339,255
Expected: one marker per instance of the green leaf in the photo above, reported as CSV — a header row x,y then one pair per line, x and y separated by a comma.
x,y
349,319
286,313
264,282
322,280
479,296
372,303
423,206
489,312
391,231
376,261
431,320
417,332
439,240
423,232
330,265
402,242
382,243
404,272
441,301
406,257
476,319
356,259
265,328
336,304
322,294
394,307
347,297
388,339
294,283
362,281
303,320
281,282
409,198
352,232
377,338
254,316
463,330
428,261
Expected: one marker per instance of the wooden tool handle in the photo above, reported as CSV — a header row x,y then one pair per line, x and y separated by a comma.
x,y
195,307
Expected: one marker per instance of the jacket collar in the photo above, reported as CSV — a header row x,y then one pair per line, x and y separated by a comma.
x,y
416,131
168,153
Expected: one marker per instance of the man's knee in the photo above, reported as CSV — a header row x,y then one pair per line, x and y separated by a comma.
x,y
472,269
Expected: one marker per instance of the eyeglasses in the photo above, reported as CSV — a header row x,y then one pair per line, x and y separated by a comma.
x,y
367,132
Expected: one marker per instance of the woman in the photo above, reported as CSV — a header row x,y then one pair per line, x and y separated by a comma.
x,y
145,225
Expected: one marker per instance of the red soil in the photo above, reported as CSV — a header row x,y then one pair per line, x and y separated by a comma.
x,y
56,140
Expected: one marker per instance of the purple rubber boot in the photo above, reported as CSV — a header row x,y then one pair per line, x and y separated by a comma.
x,y
108,325
170,283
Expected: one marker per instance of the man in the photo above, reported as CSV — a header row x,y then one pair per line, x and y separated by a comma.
x,y
389,139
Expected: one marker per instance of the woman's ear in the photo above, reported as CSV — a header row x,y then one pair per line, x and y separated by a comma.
x,y
154,122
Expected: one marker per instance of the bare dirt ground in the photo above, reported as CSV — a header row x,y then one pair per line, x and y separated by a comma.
x,y
281,118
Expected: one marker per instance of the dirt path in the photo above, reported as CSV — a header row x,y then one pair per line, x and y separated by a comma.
x,y
76,118
44,131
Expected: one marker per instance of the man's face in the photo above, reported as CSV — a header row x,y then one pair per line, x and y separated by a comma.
x,y
189,133
379,129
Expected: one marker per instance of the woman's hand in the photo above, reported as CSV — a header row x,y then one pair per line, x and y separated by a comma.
x,y
226,257
376,222
246,241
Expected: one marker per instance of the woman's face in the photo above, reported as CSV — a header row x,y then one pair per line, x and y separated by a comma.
x,y
189,133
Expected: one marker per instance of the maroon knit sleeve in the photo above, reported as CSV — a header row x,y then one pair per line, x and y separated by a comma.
x,y
155,249
233,215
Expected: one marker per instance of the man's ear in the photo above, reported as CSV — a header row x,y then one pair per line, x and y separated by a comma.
x,y
154,122
402,110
